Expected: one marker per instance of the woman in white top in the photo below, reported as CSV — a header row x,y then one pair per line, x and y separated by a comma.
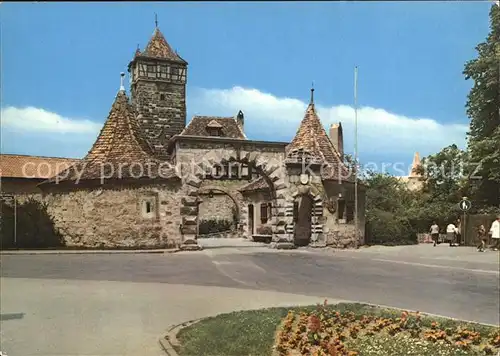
x,y
495,234
451,233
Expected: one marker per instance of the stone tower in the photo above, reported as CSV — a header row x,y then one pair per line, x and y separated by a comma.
x,y
158,90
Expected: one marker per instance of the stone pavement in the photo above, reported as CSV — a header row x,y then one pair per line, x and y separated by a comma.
x,y
63,317
119,304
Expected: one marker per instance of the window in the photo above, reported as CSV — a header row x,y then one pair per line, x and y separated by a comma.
x,y
162,96
263,213
148,206
349,213
174,73
215,131
340,209
249,171
162,72
234,170
218,171
269,211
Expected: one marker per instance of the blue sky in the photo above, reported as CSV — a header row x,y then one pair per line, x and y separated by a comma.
x,y
61,61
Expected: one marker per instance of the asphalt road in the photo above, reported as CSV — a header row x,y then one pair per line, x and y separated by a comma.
x,y
438,281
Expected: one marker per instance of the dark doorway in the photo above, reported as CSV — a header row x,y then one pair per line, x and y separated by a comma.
x,y
250,220
302,233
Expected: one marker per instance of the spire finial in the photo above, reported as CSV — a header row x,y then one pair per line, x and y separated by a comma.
x,y
312,93
122,87
156,20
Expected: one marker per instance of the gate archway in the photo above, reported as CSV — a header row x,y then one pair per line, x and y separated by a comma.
x,y
272,170
306,225
236,207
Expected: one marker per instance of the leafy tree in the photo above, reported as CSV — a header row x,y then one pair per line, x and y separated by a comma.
x,y
445,175
388,203
483,108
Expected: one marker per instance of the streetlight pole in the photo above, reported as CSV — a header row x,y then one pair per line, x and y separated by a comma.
x,y
356,152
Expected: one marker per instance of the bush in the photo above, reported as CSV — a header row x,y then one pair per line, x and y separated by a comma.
x,y
35,227
386,228
264,230
214,225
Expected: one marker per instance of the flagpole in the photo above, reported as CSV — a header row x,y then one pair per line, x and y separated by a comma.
x,y
356,152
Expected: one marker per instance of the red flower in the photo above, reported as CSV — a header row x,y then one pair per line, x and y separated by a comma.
x,y
313,324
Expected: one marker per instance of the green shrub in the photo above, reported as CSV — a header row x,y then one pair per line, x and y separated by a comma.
x,y
214,225
386,228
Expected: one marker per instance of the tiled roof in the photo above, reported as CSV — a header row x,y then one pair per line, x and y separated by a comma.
x,y
257,184
228,125
22,166
119,144
311,138
158,47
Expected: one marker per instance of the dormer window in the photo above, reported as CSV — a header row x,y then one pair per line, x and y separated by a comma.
x,y
214,132
214,128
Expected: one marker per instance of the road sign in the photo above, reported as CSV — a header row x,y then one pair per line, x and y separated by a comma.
x,y
465,205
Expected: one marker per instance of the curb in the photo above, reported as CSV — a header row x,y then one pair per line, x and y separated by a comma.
x,y
85,252
169,341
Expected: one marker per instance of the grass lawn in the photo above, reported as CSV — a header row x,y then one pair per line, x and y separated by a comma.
x,y
341,329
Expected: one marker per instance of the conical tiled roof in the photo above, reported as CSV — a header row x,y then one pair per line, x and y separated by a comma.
x,y
311,139
158,47
119,152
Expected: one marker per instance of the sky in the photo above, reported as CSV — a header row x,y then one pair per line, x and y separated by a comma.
x,y
61,65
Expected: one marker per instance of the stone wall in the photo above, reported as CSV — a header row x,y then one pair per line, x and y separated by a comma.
x,y
219,207
338,231
161,109
198,152
147,216
341,236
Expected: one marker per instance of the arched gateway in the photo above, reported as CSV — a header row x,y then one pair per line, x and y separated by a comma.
x,y
272,171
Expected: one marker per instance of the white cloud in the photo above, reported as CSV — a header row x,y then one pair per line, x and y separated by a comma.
x,y
382,134
39,120
379,131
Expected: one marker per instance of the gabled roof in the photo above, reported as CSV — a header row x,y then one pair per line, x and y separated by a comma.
x,y
33,167
158,47
311,139
199,124
119,144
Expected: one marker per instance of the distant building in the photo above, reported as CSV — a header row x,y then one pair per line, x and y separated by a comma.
x,y
20,174
415,180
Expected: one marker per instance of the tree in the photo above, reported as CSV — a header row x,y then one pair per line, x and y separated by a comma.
x,y
446,175
388,203
483,109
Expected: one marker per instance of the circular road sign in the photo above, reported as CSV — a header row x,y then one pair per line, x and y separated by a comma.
x,y
465,205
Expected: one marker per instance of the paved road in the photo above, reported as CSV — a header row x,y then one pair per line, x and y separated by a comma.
x,y
119,304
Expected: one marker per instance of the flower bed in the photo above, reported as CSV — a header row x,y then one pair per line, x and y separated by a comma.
x,y
326,331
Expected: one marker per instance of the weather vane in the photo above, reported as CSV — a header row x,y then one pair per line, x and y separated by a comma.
x,y
156,20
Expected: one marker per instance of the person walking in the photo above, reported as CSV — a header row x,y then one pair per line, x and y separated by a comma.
x,y
451,233
481,236
434,230
495,234
458,235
